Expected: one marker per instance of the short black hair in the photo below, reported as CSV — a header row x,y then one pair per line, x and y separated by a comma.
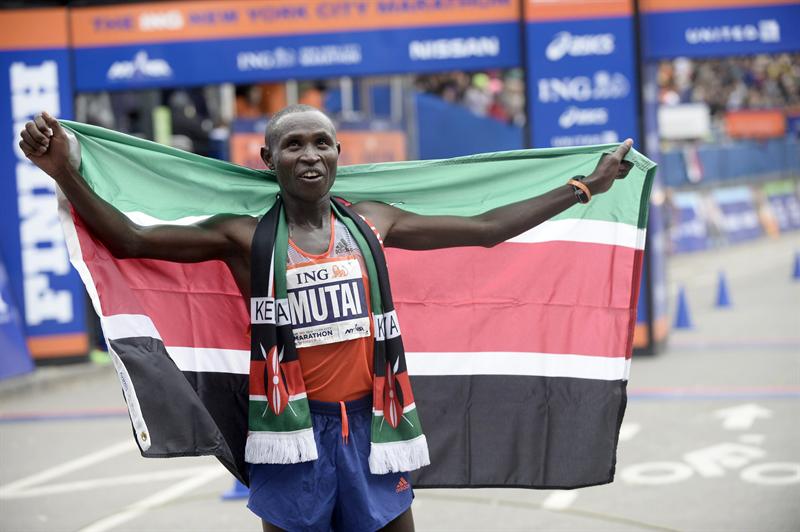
x,y
272,125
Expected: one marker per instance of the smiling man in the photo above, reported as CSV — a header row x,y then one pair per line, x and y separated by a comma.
x,y
316,331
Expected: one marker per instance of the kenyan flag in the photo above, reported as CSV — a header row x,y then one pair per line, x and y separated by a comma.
x,y
519,354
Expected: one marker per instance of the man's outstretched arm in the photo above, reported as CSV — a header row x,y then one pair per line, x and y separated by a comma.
x,y
403,229
47,145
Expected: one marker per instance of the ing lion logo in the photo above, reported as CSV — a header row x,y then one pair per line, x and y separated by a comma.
x,y
339,271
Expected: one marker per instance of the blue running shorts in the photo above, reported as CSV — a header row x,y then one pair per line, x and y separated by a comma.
x,y
336,491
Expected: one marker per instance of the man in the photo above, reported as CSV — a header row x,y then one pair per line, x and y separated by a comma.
x,y
301,148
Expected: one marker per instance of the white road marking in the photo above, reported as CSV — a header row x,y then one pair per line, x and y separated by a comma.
x,y
157,499
742,417
560,500
656,473
126,446
83,485
714,460
752,439
628,430
773,474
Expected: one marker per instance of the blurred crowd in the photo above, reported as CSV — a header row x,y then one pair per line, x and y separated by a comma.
x,y
732,83
200,117
495,94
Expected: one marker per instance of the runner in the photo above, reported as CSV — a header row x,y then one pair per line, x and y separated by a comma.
x,y
330,485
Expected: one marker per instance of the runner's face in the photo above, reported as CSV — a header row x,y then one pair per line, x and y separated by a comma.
x,y
304,155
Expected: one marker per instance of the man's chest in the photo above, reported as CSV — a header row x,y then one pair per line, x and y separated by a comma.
x,y
328,294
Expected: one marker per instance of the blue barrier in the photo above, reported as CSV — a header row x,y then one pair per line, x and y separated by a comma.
x,y
450,130
15,358
735,160
689,231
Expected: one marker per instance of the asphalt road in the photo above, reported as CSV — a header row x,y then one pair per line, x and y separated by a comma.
x,y
710,439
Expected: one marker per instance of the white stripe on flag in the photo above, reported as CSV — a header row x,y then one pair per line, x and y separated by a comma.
x,y
211,360
237,361
531,364
569,230
76,258
146,220
128,326
588,231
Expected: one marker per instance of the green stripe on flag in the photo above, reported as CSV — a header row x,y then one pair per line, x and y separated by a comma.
x,y
191,185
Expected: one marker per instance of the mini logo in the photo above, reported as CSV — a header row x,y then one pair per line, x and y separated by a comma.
x,y
602,85
564,43
142,67
339,271
161,21
355,329
402,485
765,31
769,30
342,247
575,116
458,48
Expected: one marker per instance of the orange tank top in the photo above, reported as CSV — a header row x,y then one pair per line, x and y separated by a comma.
x,y
331,318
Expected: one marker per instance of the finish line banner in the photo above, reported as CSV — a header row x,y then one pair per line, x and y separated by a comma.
x,y
191,43
34,75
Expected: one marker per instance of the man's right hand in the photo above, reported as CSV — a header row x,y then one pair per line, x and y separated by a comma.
x,y
46,144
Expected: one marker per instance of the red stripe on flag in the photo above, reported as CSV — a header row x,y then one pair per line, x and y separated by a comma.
x,y
554,297
191,305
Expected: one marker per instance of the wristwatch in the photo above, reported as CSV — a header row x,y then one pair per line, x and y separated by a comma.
x,y
580,189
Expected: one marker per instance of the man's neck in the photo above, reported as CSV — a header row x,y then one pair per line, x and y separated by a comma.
x,y
308,215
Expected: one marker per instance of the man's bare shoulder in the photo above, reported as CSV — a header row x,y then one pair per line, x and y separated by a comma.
x,y
238,227
377,211
383,216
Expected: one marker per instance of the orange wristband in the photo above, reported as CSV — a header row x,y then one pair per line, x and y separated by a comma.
x,y
583,187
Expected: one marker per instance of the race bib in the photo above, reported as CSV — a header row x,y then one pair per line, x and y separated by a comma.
x,y
327,302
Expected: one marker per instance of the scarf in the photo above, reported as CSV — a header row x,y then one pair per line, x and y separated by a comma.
x,y
279,427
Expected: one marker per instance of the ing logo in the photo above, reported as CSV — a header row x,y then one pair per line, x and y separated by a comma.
x,y
339,271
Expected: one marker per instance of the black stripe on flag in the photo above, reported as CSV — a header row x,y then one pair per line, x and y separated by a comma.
x,y
187,413
518,431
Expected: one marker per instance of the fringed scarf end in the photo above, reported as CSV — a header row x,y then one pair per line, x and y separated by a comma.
x,y
280,447
396,457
